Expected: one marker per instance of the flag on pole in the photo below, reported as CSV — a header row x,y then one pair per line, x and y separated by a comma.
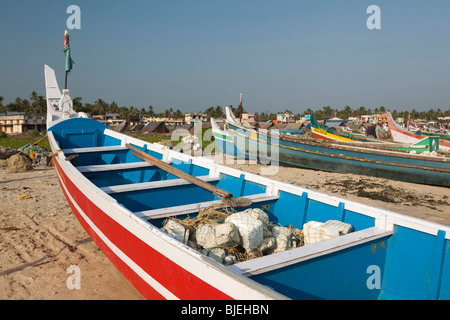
x,y
69,61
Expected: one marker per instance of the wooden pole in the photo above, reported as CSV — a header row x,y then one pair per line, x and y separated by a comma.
x,y
236,202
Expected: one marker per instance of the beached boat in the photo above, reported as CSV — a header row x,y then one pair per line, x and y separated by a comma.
x,y
442,136
399,134
331,134
387,161
323,132
122,198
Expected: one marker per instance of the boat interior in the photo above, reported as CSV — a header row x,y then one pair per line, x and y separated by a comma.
x,y
302,273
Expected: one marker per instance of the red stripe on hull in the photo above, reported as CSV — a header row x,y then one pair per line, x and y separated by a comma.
x,y
318,136
173,277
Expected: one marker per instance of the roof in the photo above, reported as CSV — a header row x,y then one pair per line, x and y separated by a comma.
x,y
293,126
354,125
280,125
264,125
137,127
333,124
152,126
186,126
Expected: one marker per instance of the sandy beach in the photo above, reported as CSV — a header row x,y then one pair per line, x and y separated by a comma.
x,y
40,237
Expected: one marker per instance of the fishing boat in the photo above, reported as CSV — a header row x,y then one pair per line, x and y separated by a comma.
x,y
122,190
320,133
399,134
394,162
331,134
442,136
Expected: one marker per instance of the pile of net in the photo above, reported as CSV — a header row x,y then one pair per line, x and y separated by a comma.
x,y
19,163
230,237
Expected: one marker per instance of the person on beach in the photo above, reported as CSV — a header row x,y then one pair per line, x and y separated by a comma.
x,y
371,130
379,131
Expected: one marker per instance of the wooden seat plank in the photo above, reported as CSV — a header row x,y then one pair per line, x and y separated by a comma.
x,y
194,207
152,185
94,149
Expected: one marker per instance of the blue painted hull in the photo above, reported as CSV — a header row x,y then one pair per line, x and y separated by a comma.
x,y
323,156
230,149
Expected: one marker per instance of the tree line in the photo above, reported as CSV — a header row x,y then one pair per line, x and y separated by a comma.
x,y
35,103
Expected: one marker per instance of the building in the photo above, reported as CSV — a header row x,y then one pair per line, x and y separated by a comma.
x,y
195,117
248,117
20,122
380,118
374,117
173,123
113,119
285,117
367,118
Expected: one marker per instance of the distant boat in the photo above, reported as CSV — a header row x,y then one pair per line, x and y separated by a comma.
x,y
401,135
440,135
378,160
331,134
123,189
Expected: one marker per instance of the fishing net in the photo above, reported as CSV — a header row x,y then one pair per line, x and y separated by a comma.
x,y
222,236
230,237
212,215
19,163
315,231
251,230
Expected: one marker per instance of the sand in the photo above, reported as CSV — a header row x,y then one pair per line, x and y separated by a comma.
x,y
41,239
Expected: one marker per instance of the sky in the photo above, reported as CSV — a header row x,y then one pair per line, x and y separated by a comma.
x,y
194,54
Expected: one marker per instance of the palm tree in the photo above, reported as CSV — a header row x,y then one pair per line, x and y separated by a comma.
x,y
77,105
113,107
308,112
328,112
41,104
219,112
361,111
2,108
33,98
151,113
100,106
414,114
124,113
178,114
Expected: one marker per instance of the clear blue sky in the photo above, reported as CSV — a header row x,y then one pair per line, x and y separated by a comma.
x,y
193,54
